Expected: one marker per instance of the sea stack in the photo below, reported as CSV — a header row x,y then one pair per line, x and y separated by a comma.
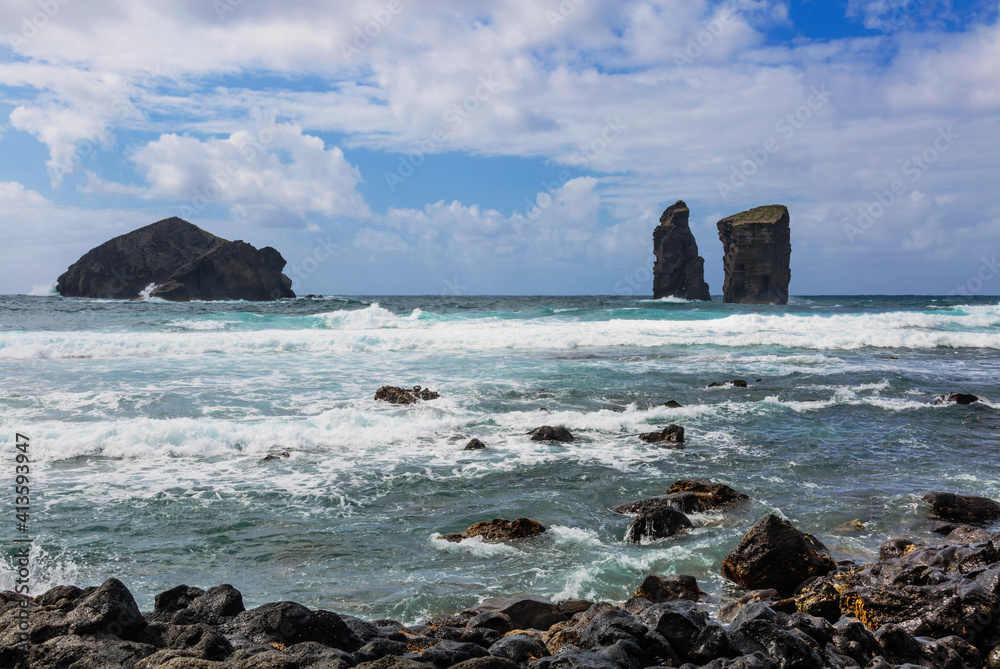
x,y
182,262
758,253
679,271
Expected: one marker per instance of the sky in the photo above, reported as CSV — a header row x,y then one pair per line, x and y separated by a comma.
x,y
464,147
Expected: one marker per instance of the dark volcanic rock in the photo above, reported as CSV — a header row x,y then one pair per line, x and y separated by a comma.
x,y
710,494
679,271
956,398
475,445
773,554
397,395
689,496
520,648
548,433
288,623
525,612
962,509
757,258
735,383
672,434
673,404
658,588
657,523
232,271
184,261
498,529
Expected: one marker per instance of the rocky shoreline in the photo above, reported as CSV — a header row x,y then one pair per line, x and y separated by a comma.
x,y
931,604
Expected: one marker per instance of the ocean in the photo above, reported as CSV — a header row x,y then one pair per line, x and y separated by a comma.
x,y
149,422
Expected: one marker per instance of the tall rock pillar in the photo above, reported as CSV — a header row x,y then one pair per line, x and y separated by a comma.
x,y
679,271
758,251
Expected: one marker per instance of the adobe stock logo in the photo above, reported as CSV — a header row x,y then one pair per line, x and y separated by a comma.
x,y
913,168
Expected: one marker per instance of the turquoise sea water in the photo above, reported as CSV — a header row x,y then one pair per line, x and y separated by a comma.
x,y
148,421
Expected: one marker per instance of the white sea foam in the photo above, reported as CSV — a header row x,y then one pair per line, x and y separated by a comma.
x,y
476,546
375,330
44,290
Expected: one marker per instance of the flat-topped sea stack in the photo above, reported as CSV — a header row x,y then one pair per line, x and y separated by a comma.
x,y
183,262
679,271
758,252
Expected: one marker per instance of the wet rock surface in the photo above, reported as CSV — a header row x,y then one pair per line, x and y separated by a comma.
x,y
774,554
956,398
919,605
963,509
397,395
498,529
549,433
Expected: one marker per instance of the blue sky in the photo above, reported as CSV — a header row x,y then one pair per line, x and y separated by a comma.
x,y
518,147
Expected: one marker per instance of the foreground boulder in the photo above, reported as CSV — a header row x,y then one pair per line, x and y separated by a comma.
x,y
927,591
397,395
548,433
183,261
679,271
659,589
917,606
757,256
773,554
963,509
497,530
956,398
525,613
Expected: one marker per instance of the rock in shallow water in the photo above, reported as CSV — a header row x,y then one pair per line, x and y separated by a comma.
x,y
475,445
672,434
498,529
956,398
773,554
736,383
963,509
397,395
657,523
689,496
549,433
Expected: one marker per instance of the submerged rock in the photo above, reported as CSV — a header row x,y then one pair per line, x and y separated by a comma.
x,y
963,509
956,398
548,433
773,554
757,245
736,383
679,271
475,445
497,530
183,261
673,404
